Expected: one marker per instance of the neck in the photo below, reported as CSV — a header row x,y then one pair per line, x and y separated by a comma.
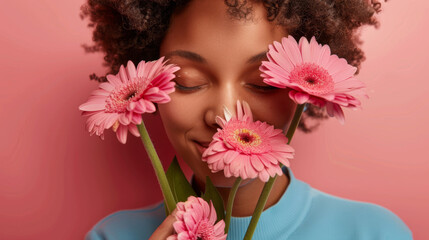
x,y
248,194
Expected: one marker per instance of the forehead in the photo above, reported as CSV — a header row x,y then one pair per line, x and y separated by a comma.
x,y
206,28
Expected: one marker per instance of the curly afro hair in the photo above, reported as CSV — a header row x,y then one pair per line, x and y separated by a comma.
x,y
133,29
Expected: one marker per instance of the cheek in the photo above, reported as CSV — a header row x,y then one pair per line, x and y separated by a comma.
x,y
181,117
277,109
283,112
176,119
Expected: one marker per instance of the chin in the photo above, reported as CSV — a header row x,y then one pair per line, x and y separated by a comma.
x,y
220,181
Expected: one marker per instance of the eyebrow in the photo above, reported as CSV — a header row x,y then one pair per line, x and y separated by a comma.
x,y
258,57
188,55
198,58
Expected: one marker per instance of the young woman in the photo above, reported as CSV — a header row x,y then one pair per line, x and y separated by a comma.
x,y
219,46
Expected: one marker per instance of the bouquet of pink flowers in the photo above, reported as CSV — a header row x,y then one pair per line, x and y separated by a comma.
x,y
242,147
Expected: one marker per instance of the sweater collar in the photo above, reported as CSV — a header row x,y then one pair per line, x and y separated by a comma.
x,y
282,218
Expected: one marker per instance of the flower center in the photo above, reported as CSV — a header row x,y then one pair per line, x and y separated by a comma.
x,y
205,231
312,78
131,95
119,98
247,137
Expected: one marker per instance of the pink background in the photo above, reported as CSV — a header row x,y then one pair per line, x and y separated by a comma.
x,y
56,181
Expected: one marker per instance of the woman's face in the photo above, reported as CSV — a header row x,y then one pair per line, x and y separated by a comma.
x,y
219,59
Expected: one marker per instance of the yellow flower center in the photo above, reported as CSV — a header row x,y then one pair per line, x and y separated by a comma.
x,y
247,137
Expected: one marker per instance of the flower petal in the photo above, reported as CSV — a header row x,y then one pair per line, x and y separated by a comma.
x,y
134,130
121,134
115,81
304,47
123,74
131,70
291,48
256,163
301,97
334,109
92,106
264,176
106,86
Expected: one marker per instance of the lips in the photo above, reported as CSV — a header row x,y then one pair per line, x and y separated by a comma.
x,y
202,146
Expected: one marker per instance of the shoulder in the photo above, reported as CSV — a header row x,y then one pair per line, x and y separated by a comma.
x,y
128,224
368,220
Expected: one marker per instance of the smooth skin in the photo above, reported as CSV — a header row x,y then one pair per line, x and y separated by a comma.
x,y
219,59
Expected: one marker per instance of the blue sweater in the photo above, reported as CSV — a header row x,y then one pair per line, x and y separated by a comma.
x,y
302,213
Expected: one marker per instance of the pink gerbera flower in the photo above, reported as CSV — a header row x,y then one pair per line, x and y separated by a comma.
x,y
196,221
120,102
313,75
247,149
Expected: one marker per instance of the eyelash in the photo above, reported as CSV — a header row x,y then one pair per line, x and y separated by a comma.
x,y
257,87
263,88
186,89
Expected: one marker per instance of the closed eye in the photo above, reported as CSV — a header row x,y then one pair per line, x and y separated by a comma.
x,y
187,89
264,88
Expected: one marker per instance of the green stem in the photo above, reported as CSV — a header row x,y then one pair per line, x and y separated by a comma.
x,y
295,121
269,185
259,208
157,166
231,198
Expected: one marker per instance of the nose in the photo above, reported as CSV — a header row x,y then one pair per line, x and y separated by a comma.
x,y
221,97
